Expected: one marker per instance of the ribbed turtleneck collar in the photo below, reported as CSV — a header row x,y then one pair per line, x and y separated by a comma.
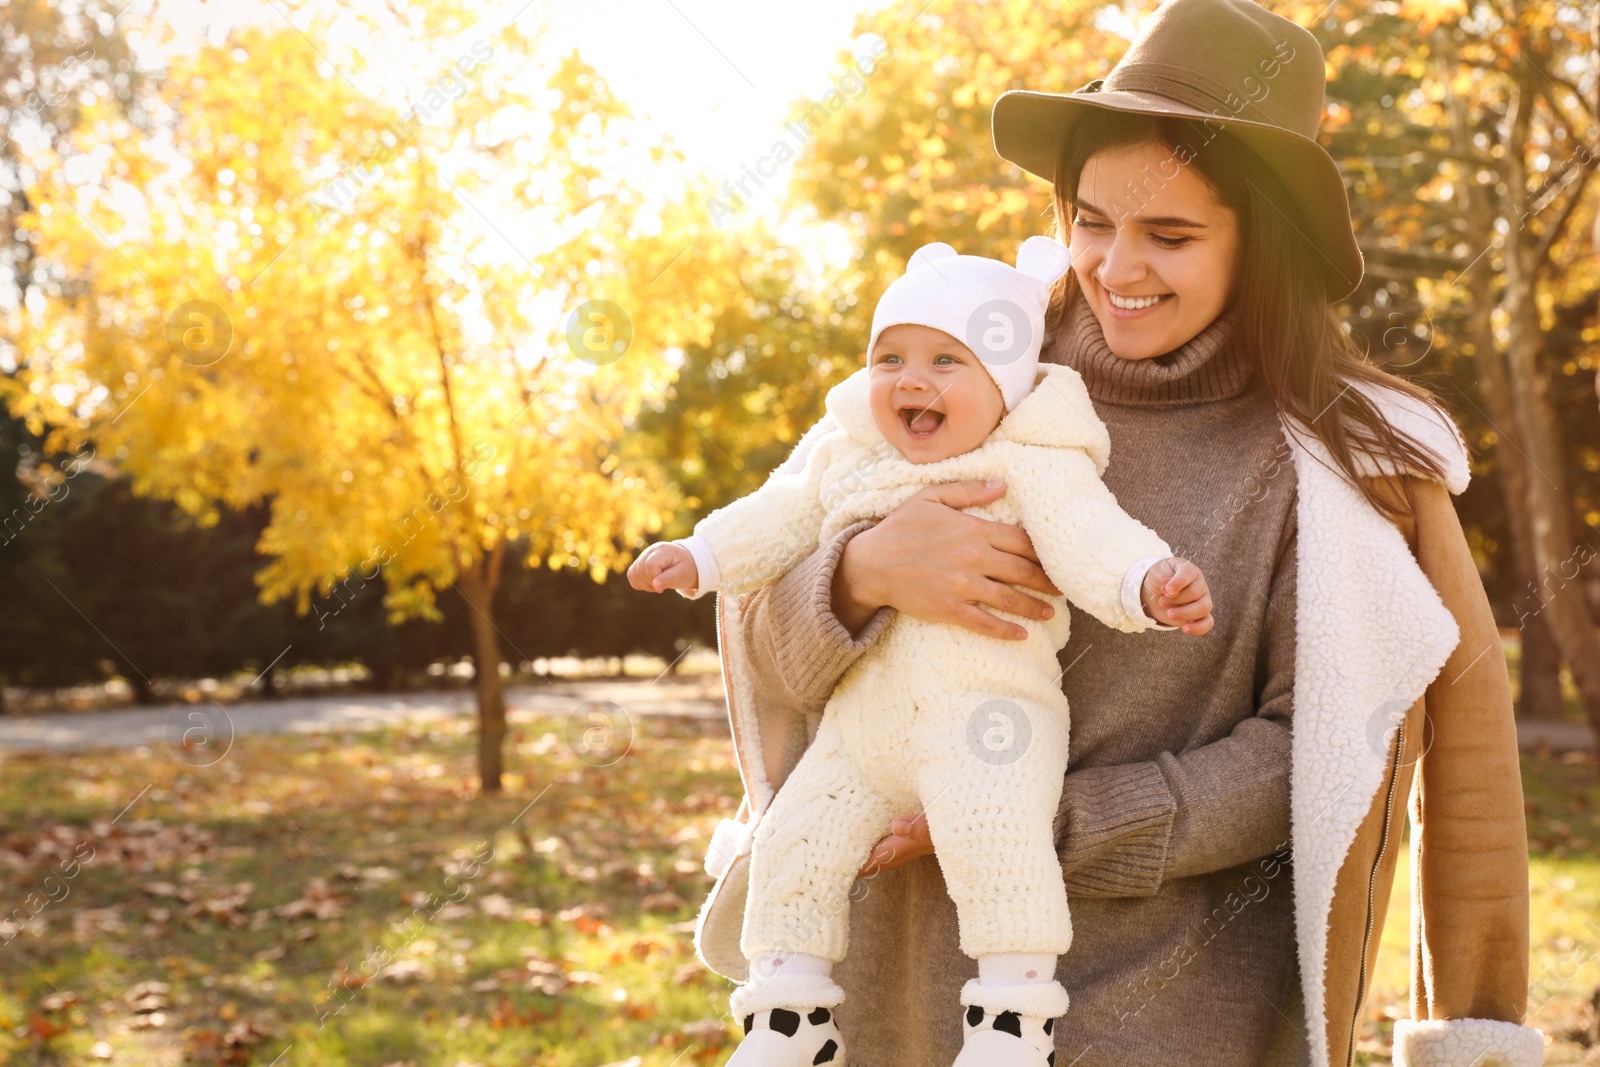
x,y
1209,366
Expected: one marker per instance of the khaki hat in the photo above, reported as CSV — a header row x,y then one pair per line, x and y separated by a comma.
x,y
1235,67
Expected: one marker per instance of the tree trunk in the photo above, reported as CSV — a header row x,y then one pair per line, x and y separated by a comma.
x,y
1539,693
1539,670
477,585
1557,559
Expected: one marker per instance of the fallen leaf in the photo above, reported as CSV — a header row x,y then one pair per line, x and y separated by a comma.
x,y
225,905
148,997
709,1030
318,901
244,1033
663,902
404,971
89,921
497,906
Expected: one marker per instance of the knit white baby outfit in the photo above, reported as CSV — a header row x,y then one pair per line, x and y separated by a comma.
x,y
971,730
994,309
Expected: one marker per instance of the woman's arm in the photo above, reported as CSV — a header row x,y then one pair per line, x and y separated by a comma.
x,y
1469,829
926,558
1123,829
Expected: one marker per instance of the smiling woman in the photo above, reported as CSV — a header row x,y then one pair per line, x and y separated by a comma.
x,y
1313,489
1154,280
1227,233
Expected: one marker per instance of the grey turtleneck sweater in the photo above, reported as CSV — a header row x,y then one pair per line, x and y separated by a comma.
x,y
1176,800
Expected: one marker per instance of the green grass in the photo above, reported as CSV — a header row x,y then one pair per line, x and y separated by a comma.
x,y
571,949
566,889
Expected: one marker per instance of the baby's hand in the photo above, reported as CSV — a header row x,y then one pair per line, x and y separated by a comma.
x,y
1175,592
664,566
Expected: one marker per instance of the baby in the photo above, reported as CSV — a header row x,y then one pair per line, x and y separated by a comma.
x,y
969,728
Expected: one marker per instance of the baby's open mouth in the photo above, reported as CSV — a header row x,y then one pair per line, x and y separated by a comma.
x,y
921,422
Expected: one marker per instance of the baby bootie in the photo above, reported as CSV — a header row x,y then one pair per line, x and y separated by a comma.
x,y
785,1037
1006,1039
788,1014
1010,1025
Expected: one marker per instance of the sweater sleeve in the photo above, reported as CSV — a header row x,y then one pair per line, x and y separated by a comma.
x,y
1086,543
1122,829
758,538
796,646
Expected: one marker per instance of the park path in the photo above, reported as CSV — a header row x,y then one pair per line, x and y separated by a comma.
x,y
130,728
694,697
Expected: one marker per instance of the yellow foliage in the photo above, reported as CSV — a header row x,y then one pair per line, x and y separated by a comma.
x,y
1428,14
363,316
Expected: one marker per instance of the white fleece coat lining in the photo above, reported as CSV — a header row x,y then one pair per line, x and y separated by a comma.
x,y
1371,635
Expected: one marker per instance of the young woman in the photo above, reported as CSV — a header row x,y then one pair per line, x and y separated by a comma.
x,y
1233,808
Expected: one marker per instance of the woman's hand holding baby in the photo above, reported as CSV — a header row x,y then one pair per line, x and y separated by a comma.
x,y
908,839
930,560
664,565
1175,593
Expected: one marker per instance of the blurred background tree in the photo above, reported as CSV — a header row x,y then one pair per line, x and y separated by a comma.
x,y
362,349
1471,148
407,308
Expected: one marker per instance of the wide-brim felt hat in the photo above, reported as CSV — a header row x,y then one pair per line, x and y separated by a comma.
x,y
1233,67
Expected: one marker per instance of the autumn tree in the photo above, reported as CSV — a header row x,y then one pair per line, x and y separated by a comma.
x,y
896,156
52,54
741,399
1471,133
913,161
416,318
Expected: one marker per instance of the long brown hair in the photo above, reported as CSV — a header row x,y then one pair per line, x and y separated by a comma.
x,y
1286,325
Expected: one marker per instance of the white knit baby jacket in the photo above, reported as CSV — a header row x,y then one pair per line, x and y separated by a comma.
x,y
1050,450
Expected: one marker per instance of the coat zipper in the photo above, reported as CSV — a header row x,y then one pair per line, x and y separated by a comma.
x,y
1372,886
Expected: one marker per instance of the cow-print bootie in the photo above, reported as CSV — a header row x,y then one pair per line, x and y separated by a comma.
x,y
784,1037
1006,1039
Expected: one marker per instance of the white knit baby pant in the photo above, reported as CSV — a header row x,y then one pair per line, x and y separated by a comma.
x,y
905,731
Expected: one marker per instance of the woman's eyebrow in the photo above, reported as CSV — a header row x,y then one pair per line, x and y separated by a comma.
x,y
1157,220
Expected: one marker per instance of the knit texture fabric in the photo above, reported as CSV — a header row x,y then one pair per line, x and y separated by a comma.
x,y
1050,449
996,310
1177,794
970,729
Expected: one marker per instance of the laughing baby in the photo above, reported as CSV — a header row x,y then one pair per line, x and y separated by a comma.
x,y
969,729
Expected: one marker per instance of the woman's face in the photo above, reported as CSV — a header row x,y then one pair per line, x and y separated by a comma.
x,y
1155,252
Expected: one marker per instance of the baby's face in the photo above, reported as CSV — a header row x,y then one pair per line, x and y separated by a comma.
x,y
931,397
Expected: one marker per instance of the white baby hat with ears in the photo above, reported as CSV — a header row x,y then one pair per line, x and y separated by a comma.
x,y
994,309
